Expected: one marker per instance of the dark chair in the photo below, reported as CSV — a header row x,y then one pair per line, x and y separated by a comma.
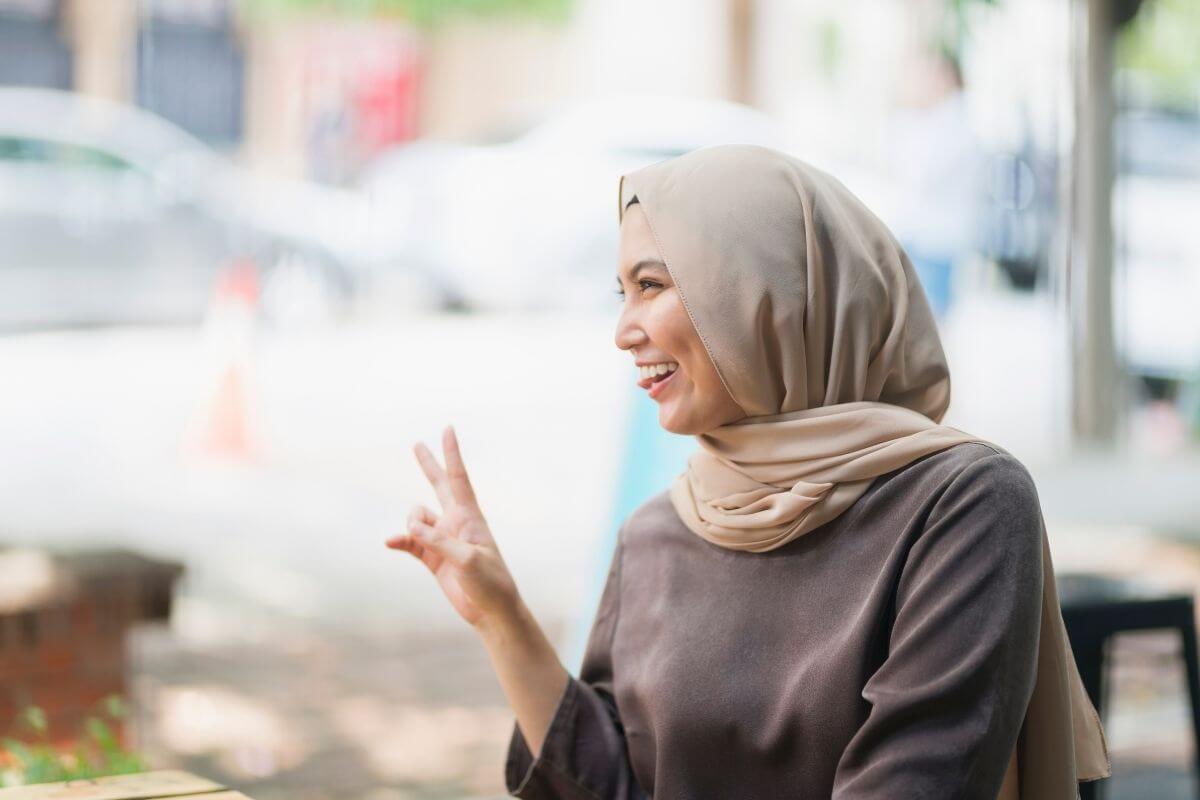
x,y
1097,607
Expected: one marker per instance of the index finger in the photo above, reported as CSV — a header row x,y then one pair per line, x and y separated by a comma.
x,y
456,471
433,471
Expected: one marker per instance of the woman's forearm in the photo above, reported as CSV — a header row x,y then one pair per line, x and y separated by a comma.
x,y
532,677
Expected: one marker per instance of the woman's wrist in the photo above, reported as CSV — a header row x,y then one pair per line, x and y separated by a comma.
x,y
513,624
516,640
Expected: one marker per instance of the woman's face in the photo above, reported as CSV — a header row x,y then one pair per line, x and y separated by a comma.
x,y
656,329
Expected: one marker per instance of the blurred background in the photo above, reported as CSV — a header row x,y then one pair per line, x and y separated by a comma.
x,y
252,250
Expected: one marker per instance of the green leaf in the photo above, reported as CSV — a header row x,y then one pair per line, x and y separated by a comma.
x,y
102,734
115,706
35,718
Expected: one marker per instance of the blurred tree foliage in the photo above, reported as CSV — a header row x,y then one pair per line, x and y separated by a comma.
x,y
1163,42
425,13
98,752
956,25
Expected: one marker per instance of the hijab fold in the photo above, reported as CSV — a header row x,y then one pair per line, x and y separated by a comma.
x,y
820,331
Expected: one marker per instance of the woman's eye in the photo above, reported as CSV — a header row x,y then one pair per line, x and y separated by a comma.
x,y
642,283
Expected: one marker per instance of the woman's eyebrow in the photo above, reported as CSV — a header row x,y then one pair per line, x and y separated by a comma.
x,y
641,265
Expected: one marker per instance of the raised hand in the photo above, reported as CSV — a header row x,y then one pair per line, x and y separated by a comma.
x,y
458,547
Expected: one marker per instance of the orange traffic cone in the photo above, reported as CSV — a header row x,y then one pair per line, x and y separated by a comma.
x,y
227,432
224,429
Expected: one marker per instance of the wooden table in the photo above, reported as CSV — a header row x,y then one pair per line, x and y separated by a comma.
x,y
142,786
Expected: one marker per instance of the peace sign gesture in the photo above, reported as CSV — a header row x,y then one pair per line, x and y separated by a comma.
x,y
457,547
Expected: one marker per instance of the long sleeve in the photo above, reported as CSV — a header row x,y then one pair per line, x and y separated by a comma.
x,y
949,699
584,754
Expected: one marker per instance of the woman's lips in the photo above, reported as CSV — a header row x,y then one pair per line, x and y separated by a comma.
x,y
658,386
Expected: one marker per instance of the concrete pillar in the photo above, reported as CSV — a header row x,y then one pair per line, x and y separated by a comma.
x,y
1099,388
103,36
742,56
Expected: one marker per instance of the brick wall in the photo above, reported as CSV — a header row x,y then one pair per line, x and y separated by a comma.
x,y
68,653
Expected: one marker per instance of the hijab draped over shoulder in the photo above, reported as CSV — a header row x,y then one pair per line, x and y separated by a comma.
x,y
820,331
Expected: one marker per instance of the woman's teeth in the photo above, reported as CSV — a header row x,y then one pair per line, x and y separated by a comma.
x,y
652,370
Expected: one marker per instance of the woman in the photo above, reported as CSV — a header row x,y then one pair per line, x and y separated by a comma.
x,y
838,596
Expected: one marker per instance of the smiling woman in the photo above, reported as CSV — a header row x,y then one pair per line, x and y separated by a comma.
x,y
655,328
839,596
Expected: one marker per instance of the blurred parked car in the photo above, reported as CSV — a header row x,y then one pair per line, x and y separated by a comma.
x,y
530,223
110,214
1156,205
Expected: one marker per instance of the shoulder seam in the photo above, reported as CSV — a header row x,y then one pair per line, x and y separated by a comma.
x,y
989,446
995,451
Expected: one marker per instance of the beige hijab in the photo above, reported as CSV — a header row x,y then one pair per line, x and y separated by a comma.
x,y
820,331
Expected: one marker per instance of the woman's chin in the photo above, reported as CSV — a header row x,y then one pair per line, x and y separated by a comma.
x,y
670,422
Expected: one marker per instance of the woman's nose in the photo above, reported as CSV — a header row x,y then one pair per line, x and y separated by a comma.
x,y
629,335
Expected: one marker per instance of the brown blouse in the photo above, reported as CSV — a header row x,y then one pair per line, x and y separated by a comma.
x,y
889,653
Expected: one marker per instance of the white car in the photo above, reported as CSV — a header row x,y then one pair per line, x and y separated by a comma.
x,y
111,214
531,223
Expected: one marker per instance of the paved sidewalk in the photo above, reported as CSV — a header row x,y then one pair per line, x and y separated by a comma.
x,y
326,715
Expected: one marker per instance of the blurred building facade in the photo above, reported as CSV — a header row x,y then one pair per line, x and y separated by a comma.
x,y
300,96
289,90
318,93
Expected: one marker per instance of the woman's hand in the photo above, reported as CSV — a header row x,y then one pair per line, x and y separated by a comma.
x,y
459,550
458,547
